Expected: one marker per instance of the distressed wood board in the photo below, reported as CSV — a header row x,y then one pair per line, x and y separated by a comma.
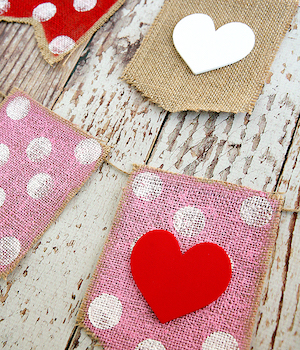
x,y
40,299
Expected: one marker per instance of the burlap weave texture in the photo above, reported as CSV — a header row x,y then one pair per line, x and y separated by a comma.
x,y
44,161
240,220
158,71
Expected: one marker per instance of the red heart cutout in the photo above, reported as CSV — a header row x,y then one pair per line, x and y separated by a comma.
x,y
175,284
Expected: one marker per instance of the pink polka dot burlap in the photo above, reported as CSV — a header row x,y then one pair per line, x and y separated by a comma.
x,y
44,161
243,222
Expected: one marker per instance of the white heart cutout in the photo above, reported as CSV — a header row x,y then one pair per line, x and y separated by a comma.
x,y
204,49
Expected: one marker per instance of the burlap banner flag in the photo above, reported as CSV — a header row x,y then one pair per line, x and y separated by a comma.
x,y
159,73
159,212
44,161
60,25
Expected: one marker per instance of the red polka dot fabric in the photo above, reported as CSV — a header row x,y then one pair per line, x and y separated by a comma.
x,y
44,161
241,221
60,24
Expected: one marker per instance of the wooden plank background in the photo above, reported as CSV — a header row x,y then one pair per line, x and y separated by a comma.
x,y
40,299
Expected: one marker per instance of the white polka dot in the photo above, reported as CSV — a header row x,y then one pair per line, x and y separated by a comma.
x,y
147,186
134,242
9,249
84,5
256,211
18,108
231,262
39,149
44,12
105,311
189,221
2,196
88,151
4,6
4,154
150,344
61,44
220,341
39,185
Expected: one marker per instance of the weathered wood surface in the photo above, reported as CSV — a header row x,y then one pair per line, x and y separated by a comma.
x,y
22,65
260,151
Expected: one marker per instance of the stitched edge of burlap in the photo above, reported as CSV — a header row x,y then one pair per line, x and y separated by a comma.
x,y
130,73
83,309
41,38
105,151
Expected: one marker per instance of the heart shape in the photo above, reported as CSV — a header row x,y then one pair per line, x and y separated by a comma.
x,y
203,48
175,284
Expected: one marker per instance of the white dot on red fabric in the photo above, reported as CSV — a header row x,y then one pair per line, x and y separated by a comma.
x,y
61,44
40,185
18,108
39,149
220,341
4,6
9,249
256,211
44,12
105,311
87,151
4,154
2,196
150,344
84,5
189,221
147,186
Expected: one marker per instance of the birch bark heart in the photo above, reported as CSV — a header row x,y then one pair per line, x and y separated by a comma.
x,y
204,49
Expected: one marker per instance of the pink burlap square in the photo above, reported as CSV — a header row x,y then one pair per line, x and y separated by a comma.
x,y
44,161
240,220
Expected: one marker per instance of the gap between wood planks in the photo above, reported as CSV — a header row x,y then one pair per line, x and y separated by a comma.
x,y
290,239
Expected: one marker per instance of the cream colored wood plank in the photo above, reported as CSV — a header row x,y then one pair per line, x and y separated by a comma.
x,y
49,283
283,285
22,65
277,322
102,104
287,257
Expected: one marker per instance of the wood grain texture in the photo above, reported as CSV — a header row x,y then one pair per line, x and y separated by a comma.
x,y
41,297
22,65
287,255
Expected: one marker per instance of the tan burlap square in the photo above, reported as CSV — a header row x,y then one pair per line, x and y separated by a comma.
x,y
160,74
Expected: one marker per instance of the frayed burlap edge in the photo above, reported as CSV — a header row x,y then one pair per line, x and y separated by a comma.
x,y
41,38
105,151
128,77
82,312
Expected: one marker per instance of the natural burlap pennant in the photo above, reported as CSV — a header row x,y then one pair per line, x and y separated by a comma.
x,y
158,71
241,221
60,25
44,161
